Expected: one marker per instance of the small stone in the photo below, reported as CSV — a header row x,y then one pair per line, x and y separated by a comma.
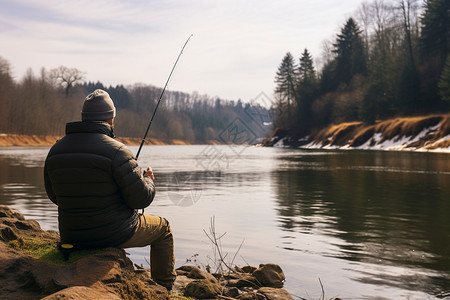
x,y
268,293
248,269
232,292
187,268
247,296
181,272
202,289
270,275
196,273
247,281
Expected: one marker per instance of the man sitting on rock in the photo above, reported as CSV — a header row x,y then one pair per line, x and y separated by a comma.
x,y
98,187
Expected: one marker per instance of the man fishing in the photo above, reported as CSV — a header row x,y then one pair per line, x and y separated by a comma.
x,y
98,187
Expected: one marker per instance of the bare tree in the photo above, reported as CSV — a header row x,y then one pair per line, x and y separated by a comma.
x,y
327,52
6,89
409,10
363,15
5,67
66,77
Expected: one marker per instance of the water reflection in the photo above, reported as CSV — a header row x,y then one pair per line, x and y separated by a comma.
x,y
371,225
22,185
384,209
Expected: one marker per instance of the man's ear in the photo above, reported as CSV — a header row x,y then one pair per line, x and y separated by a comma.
x,y
110,122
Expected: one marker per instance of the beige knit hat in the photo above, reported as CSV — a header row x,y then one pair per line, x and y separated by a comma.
x,y
98,106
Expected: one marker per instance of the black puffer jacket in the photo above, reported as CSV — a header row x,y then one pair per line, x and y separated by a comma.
x,y
97,185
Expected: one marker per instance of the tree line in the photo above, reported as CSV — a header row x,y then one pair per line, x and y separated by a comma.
x,y
390,59
42,104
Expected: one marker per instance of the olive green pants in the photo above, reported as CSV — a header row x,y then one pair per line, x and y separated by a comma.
x,y
155,231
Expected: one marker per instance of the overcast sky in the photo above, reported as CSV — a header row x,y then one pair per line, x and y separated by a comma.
x,y
234,53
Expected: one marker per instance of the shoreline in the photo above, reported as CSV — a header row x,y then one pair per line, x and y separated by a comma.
x,y
414,134
24,140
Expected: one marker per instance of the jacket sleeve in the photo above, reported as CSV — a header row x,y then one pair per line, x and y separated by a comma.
x,y
48,186
136,190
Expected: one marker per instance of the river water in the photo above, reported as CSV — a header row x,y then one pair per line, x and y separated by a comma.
x,y
362,224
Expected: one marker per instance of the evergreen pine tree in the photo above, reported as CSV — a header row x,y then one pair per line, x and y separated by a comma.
x,y
434,48
285,90
307,88
328,79
444,82
435,31
349,47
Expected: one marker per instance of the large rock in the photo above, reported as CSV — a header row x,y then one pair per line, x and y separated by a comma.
x,y
269,275
195,273
105,274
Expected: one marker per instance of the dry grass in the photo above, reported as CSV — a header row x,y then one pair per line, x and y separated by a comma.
x,y
9,140
12,140
363,136
338,134
444,128
400,127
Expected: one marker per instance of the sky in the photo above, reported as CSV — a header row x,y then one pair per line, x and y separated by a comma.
x,y
234,53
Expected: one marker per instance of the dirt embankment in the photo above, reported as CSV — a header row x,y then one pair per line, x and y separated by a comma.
x,y
10,140
424,133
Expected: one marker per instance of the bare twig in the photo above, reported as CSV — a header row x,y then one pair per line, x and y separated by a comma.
x,y
323,292
240,246
219,256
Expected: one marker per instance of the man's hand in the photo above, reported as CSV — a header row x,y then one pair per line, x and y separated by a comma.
x,y
149,173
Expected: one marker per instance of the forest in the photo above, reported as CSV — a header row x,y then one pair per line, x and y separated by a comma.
x,y
42,104
390,59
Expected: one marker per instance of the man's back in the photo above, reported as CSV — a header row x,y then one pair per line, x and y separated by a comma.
x,y
93,180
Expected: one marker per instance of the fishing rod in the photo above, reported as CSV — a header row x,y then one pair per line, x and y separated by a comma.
x,y
160,97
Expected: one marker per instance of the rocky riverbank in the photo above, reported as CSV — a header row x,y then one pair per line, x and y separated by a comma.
x,y
31,267
425,133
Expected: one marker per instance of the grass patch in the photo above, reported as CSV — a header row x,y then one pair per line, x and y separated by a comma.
x,y
46,250
35,247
